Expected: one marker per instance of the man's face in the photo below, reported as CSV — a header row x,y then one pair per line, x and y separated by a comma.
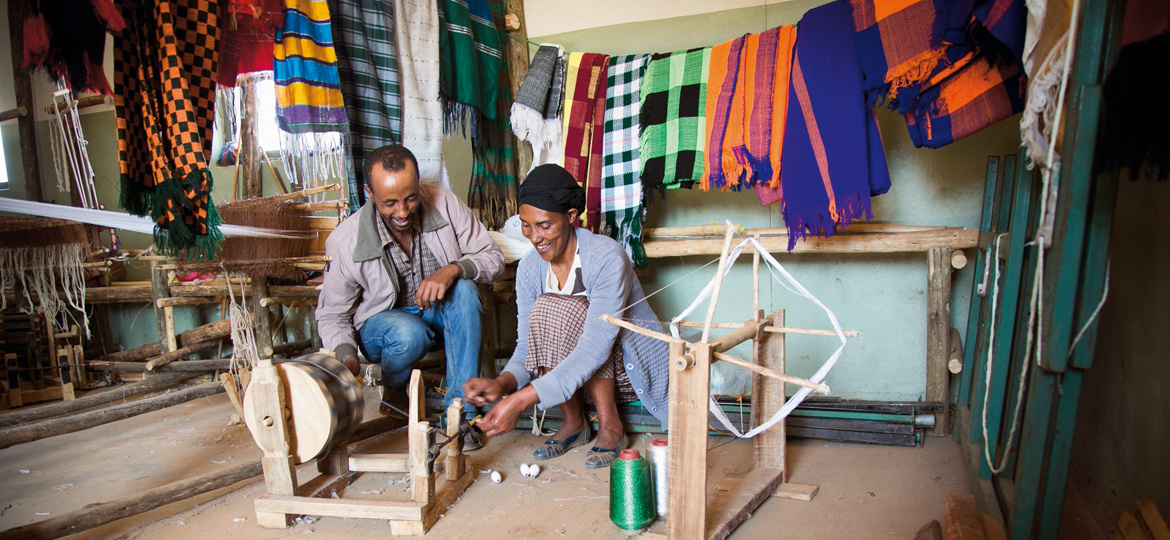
x,y
395,196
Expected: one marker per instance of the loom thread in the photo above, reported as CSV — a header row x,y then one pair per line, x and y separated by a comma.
x,y
630,506
658,464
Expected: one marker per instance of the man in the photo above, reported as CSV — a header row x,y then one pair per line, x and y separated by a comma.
x,y
402,278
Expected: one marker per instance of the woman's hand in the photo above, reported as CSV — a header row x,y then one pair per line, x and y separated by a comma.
x,y
503,417
479,391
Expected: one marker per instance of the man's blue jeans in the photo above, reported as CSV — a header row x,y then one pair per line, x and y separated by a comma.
x,y
398,338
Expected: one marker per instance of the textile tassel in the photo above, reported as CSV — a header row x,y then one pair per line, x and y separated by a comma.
x,y
54,275
108,14
630,504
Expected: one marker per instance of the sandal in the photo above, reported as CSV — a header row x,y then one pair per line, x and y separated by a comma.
x,y
555,447
602,457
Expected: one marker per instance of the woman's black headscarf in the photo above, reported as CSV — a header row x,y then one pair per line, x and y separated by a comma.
x,y
551,188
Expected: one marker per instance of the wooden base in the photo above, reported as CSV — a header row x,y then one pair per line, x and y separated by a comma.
x,y
407,518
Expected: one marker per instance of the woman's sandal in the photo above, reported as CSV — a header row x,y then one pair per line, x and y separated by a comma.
x,y
602,457
555,447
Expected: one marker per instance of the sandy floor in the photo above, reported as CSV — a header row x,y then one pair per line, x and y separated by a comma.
x,y
865,491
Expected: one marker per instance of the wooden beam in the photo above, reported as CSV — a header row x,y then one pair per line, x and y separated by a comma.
x,y
517,70
24,98
749,330
909,242
293,505
251,176
166,358
51,428
210,331
776,329
13,113
387,463
84,102
820,388
938,325
767,398
687,468
716,229
728,511
94,399
304,193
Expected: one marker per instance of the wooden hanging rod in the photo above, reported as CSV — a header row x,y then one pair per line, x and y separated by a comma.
x,y
82,103
13,113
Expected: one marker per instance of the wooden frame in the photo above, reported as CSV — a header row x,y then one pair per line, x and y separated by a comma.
x,y
431,495
690,513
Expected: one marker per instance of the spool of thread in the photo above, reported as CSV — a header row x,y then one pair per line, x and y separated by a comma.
x,y
658,465
630,506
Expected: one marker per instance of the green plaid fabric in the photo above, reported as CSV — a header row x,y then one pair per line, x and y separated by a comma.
x,y
367,63
493,192
673,98
621,192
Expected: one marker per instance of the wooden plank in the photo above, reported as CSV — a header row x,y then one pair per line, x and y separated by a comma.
x,y
767,398
94,399
1150,516
687,468
799,492
166,358
346,508
718,229
911,242
454,461
725,513
1130,528
50,428
963,519
449,493
158,289
387,463
938,324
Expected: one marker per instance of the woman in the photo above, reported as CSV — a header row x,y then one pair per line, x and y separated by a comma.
x,y
562,289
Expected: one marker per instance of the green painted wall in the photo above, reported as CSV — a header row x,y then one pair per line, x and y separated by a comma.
x,y
882,296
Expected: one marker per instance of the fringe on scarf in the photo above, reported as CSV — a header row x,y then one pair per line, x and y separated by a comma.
x,y
816,223
54,275
463,118
312,159
1036,124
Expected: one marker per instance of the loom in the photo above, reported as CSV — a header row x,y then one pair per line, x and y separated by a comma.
x,y
42,258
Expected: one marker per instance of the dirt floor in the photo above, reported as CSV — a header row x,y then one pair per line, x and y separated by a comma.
x,y
865,491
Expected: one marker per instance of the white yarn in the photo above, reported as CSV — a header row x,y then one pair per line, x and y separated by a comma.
x,y
799,290
45,271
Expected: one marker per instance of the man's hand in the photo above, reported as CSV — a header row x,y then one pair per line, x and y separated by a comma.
x,y
351,363
434,287
503,417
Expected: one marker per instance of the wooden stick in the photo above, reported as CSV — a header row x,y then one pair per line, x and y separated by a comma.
x,y
718,281
61,426
94,399
749,331
166,358
218,329
304,193
285,260
172,301
639,330
81,103
775,329
328,206
908,242
18,112
185,366
756,279
714,230
724,357
275,178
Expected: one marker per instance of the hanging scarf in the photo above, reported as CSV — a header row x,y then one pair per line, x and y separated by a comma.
x,y
471,56
67,39
367,66
833,158
248,34
621,192
416,35
725,115
585,130
164,119
309,106
492,193
672,119
536,110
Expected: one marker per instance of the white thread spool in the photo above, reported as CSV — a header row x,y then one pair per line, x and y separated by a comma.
x,y
658,464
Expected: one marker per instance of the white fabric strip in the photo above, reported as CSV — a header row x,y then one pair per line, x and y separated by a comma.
x,y
119,220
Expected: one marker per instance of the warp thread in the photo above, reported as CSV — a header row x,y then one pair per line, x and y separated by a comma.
x,y
630,506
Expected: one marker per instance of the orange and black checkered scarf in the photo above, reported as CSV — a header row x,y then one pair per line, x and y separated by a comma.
x,y
165,65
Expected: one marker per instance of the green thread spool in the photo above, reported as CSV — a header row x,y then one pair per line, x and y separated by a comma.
x,y
631,503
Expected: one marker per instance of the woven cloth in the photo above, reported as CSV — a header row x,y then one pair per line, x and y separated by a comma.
x,y
725,109
536,110
492,191
621,191
248,31
308,89
555,325
367,66
416,33
833,158
67,39
164,91
471,55
585,123
673,123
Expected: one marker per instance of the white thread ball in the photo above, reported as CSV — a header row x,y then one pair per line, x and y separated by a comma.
x,y
496,477
533,470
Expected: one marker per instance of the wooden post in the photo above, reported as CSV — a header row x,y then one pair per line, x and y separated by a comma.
x,y
767,398
272,436
65,357
718,281
517,70
756,282
422,486
687,468
159,289
938,325
455,448
24,98
262,317
249,158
